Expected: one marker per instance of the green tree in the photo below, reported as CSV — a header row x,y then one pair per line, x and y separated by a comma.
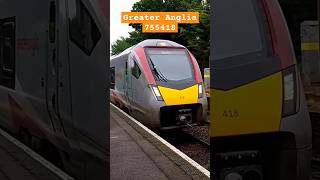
x,y
120,45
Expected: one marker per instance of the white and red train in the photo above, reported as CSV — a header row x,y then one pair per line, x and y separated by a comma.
x,y
159,83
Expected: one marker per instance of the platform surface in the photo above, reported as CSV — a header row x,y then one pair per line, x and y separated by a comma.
x,y
18,162
134,157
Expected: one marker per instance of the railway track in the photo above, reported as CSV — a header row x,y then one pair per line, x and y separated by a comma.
x,y
194,147
201,133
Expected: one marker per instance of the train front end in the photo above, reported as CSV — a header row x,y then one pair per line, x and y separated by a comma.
x,y
260,126
177,95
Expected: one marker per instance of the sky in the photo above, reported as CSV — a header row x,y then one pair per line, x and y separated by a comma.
x,y
117,29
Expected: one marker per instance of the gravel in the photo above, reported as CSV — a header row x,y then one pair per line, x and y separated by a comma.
x,y
193,141
199,132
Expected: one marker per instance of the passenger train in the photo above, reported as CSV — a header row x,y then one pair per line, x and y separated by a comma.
x,y
52,64
159,83
260,127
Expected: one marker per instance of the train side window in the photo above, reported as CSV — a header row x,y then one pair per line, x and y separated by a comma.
x,y
136,72
8,47
7,52
112,73
83,29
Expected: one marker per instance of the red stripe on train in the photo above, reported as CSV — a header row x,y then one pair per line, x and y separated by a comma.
x,y
196,69
144,62
280,35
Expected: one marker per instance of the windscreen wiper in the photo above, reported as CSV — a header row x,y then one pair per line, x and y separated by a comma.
x,y
159,75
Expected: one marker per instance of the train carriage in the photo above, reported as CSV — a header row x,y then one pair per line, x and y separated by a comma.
x,y
52,65
260,126
159,83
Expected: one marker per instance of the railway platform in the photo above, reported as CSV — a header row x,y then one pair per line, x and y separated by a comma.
x,y
138,153
18,162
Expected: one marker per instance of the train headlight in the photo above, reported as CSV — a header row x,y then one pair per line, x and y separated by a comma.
x,y
200,89
156,93
289,92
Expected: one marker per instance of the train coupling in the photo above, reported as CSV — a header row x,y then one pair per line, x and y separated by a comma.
x,y
184,116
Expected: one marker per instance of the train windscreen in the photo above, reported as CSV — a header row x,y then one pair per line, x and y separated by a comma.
x,y
238,32
170,64
242,42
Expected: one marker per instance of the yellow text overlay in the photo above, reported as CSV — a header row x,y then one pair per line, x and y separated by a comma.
x,y
160,22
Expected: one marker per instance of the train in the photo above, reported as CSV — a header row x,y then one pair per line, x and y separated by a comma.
x,y
160,84
260,126
52,62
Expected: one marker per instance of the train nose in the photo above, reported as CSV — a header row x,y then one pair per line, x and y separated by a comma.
x,y
174,97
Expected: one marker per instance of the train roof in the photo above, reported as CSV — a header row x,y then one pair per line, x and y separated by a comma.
x,y
150,43
158,42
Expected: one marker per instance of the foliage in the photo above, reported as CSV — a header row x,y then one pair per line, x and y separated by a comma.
x,y
120,45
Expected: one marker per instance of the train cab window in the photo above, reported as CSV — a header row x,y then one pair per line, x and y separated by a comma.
x,y
7,52
245,24
170,64
83,29
112,74
135,70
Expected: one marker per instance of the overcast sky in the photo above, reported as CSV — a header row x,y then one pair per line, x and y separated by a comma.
x,y
117,29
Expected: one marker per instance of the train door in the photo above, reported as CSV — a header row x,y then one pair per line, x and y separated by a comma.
x,y
129,84
125,84
136,87
87,52
54,63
